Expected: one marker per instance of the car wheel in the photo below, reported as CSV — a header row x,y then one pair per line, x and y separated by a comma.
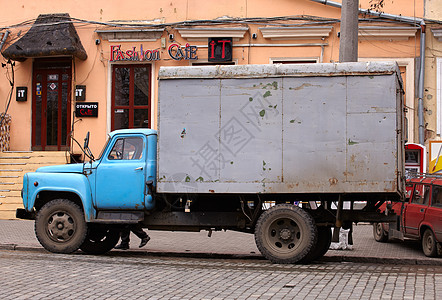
x,y
429,244
379,234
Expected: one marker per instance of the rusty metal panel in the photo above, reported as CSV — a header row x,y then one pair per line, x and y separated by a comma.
x,y
279,129
315,132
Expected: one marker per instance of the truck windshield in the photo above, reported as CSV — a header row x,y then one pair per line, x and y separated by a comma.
x,y
104,147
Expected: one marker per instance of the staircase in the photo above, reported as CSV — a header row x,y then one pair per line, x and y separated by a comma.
x,y
13,165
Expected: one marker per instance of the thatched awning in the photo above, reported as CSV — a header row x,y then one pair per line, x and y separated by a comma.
x,y
51,35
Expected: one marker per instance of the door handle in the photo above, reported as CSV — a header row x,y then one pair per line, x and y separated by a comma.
x,y
422,209
139,168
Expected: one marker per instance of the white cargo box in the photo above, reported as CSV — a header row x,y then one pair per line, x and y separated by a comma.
x,y
314,128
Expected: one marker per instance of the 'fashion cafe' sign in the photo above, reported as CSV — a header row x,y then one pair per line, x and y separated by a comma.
x,y
175,51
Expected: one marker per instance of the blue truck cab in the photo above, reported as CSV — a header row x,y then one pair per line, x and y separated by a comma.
x,y
115,188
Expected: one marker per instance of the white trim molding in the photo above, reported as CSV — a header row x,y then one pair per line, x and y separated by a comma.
x,y
439,94
386,33
202,34
289,33
130,35
437,32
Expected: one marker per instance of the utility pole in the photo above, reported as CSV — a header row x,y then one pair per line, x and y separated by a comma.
x,y
348,46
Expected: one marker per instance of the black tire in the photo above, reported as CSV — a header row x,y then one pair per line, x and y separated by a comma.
x,y
60,226
285,233
379,234
100,239
322,245
429,244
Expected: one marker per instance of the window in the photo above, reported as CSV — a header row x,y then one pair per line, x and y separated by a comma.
x,y
421,194
436,197
130,96
127,149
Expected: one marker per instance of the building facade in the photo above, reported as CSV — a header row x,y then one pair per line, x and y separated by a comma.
x,y
92,66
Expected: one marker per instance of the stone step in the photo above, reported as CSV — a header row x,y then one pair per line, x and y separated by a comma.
x,y
13,166
7,214
35,153
11,206
10,200
10,193
10,187
30,167
34,160
14,179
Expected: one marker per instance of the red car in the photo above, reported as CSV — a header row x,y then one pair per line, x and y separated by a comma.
x,y
420,217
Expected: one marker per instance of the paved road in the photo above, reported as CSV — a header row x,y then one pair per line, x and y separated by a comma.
x,y
118,275
19,234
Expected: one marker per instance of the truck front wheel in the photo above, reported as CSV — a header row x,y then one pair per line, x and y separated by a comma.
x,y
60,226
100,239
285,233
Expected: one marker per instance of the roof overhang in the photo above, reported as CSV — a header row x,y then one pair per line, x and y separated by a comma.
x,y
50,35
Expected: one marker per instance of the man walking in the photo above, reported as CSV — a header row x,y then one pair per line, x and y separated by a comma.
x,y
125,236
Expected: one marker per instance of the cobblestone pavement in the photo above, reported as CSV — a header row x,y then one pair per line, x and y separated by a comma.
x,y
41,275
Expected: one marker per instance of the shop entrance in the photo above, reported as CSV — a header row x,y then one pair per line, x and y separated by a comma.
x,y
130,96
51,104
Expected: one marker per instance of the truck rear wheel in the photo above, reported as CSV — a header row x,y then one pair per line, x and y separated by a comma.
x,y
321,247
60,226
100,239
285,233
429,244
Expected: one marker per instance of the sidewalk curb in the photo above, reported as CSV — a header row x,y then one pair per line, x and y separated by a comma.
x,y
335,258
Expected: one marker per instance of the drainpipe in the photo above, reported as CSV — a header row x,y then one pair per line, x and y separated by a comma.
x,y
5,36
420,101
409,20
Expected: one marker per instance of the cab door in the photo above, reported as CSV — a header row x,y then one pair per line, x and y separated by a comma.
x,y
414,211
120,177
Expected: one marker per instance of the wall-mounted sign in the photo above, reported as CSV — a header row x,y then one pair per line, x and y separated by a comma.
x,y
86,109
80,92
220,49
175,51
21,93
435,161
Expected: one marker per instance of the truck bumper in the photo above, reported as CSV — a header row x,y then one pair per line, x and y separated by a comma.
x,y
21,213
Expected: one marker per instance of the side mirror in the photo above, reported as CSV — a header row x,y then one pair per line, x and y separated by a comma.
x,y
86,141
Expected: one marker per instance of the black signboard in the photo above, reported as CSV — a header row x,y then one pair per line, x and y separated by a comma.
x,y
80,92
21,93
220,49
86,109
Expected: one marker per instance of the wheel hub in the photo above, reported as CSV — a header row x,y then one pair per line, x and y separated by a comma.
x,y
60,226
285,234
